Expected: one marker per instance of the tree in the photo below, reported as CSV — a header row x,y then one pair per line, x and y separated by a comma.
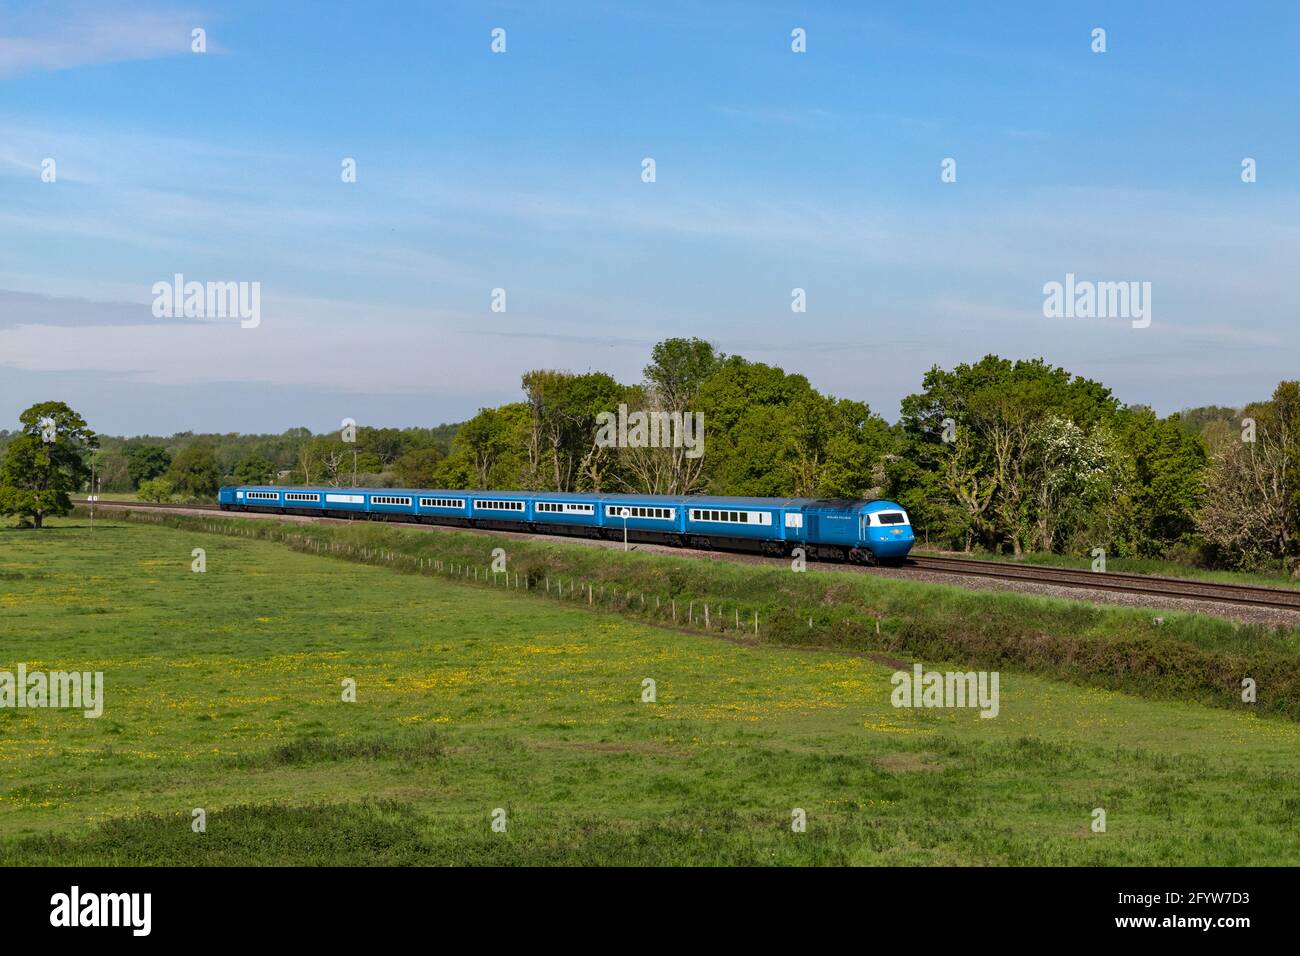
x,y
674,379
115,473
491,446
306,460
771,433
146,461
975,458
1167,480
416,469
385,444
254,470
678,369
45,462
193,472
1251,509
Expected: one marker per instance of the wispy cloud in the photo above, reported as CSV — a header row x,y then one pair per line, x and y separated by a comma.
x,y
76,37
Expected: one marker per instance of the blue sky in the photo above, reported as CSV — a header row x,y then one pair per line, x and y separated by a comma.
x,y
521,170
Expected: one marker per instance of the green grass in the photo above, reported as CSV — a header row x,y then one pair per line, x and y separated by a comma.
x,y
223,692
1157,653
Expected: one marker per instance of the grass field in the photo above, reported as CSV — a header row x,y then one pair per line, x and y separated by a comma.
x,y
223,693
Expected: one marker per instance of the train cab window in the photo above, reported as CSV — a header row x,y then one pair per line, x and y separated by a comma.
x,y
890,517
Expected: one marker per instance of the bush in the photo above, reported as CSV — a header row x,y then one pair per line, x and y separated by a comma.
x,y
155,489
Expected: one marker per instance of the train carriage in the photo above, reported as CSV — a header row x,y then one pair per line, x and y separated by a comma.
x,y
452,506
564,514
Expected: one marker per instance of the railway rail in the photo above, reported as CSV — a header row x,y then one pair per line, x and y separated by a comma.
x,y
1249,595
1246,594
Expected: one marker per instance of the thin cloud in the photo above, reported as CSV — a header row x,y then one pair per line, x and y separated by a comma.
x,y
77,39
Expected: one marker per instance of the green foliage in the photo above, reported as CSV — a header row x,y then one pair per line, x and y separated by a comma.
x,y
1251,511
155,489
114,472
489,450
45,462
254,470
147,461
1024,456
678,370
772,434
416,469
381,446
193,473
560,448
1165,482
152,454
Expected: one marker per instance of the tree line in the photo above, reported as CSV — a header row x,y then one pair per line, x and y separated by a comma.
x,y
1000,455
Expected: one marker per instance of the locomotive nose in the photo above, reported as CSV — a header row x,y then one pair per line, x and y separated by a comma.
x,y
889,534
893,543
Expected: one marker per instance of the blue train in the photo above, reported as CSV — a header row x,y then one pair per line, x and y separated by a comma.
x,y
862,531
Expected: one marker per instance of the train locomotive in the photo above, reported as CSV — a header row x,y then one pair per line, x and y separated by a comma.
x,y
867,532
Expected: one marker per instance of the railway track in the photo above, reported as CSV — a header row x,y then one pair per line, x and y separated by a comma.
x,y
1247,595
146,505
